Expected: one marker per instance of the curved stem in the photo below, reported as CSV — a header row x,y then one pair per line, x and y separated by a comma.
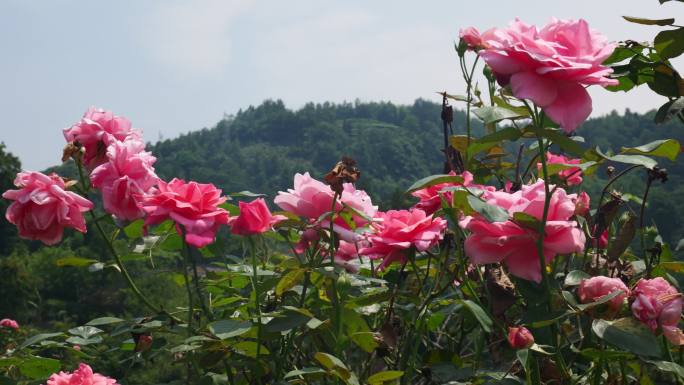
x,y
125,273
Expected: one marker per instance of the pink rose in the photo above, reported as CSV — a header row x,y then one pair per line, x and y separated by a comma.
x,y
659,304
430,200
96,131
515,244
254,218
9,323
572,176
550,66
84,375
42,207
592,289
192,205
471,36
582,204
125,178
398,230
347,255
311,199
520,337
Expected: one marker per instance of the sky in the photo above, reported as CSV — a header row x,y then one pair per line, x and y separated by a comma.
x,y
173,66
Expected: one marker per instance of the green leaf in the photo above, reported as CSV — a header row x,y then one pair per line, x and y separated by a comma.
x,y
668,366
669,110
104,321
365,340
85,331
249,349
575,277
488,141
527,221
640,160
387,375
248,194
640,20
595,354
491,114
337,367
479,314
666,148
623,238
289,280
75,261
559,138
84,341
287,321
433,180
677,267
670,43
600,301
627,334
37,338
303,372
229,328
492,213
135,229
621,54
39,368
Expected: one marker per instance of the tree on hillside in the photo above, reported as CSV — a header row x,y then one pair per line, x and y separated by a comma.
x,y
9,167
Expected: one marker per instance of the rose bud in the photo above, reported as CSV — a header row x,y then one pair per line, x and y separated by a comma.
x,y
520,337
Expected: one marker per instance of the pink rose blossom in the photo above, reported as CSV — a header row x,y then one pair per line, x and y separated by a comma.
x,y
592,289
398,230
572,176
9,323
42,207
520,337
430,200
125,178
84,375
254,218
347,255
582,204
96,131
192,205
550,66
659,304
311,199
471,37
515,244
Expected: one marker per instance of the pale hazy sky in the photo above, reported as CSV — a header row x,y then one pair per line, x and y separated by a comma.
x,y
174,66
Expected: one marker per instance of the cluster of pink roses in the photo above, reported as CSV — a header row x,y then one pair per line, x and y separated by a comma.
x,y
84,375
550,66
123,171
656,303
514,243
362,229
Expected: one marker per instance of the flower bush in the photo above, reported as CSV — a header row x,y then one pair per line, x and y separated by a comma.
x,y
495,275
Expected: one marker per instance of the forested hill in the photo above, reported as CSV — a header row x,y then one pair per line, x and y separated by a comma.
x,y
261,148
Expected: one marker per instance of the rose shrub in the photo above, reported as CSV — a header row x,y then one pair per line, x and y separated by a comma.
x,y
495,275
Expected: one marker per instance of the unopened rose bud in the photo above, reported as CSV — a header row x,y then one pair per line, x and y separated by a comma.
x,y
143,343
77,347
310,235
520,337
582,204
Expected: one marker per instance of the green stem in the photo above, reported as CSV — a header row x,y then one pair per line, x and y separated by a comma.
x,y
337,306
187,253
257,307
